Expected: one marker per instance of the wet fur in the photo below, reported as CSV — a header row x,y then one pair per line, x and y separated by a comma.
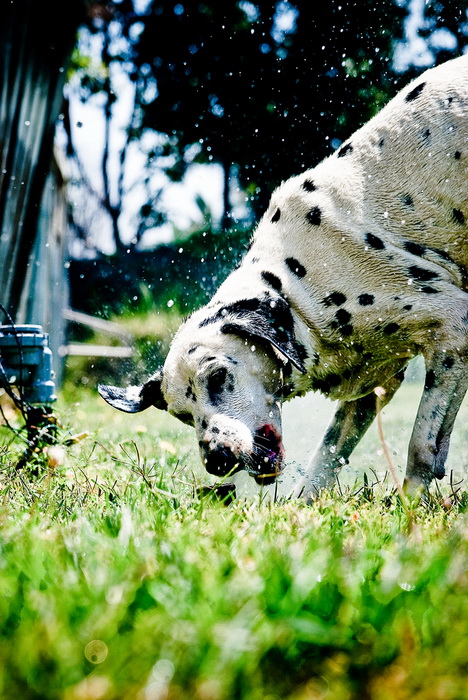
x,y
357,266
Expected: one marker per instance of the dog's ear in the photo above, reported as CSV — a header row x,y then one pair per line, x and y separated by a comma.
x,y
134,399
272,322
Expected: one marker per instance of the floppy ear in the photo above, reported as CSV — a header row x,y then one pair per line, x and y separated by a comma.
x,y
256,325
134,399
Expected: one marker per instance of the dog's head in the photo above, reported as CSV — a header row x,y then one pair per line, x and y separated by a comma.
x,y
224,375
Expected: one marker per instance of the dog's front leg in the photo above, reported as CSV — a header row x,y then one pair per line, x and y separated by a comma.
x,y
347,426
445,387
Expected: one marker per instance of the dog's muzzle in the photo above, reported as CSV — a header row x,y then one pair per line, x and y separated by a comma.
x,y
222,461
264,461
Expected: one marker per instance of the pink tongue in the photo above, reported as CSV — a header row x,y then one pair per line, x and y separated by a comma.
x,y
268,433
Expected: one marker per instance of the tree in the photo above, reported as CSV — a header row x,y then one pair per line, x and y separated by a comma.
x,y
96,80
266,88
269,87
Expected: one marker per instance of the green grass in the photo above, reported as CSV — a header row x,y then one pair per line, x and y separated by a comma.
x,y
119,582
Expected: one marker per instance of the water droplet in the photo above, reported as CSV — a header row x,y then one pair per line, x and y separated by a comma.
x,y
96,651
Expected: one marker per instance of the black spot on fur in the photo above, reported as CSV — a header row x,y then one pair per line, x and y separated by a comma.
x,y
215,386
272,280
296,267
448,362
414,248
415,92
342,316
422,274
241,308
192,349
430,379
302,352
204,424
443,254
458,216
408,307
254,260
435,412
366,299
342,323
457,155
314,216
374,241
407,200
189,394
324,385
334,299
391,328
381,143
429,290
268,319
186,418
425,135
345,150
276,216
215,430
308,186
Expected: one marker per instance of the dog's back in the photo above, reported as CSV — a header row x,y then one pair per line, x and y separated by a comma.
x,y
402,178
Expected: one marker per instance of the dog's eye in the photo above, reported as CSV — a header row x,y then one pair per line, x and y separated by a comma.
x,y
186,418
215,385
218,377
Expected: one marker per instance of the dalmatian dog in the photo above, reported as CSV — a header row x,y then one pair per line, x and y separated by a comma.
x,y
357,266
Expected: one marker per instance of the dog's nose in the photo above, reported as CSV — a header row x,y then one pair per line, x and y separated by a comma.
x,y
220,461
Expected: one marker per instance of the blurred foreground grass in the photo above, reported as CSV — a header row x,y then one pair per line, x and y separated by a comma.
x,y
118,582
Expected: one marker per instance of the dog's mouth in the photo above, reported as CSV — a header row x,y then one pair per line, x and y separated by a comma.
x,y
264,462
268,455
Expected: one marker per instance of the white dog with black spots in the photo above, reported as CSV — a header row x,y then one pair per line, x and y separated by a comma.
x,y
357,266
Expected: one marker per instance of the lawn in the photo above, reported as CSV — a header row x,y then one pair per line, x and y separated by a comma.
x,y
120,581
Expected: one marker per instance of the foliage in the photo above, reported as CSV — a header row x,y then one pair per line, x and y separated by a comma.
x,y
119,582
440,18
181,276
265,88
271,87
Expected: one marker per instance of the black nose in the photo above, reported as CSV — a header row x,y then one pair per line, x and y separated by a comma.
x,y
220,461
